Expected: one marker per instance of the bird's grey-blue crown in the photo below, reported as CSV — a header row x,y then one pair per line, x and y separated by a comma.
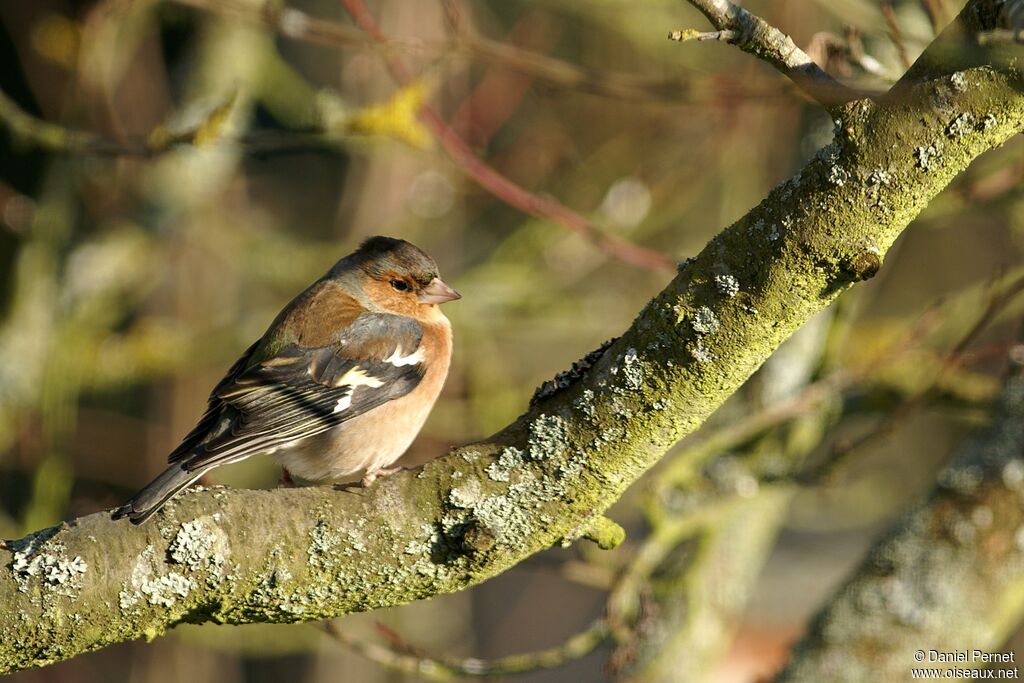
x,y
381,255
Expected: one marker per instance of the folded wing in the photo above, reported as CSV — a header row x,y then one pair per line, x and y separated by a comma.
x,y
301,392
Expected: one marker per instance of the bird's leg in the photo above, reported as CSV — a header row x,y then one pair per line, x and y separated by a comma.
x,y
371,476
286,481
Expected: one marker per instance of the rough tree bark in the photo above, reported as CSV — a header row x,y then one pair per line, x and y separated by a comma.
x,y
289,555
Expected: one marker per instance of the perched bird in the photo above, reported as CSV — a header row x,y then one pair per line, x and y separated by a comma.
x,y
337,387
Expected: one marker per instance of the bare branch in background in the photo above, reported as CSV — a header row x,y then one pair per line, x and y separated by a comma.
x,y
298,25
502,187
941,577
996,302
842,54
162,140
938,14
400,656
1001,36
58,138
896,33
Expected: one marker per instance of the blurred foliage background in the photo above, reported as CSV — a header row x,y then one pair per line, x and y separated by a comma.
x,y
203,161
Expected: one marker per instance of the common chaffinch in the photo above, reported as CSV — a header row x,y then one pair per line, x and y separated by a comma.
x,y
337,387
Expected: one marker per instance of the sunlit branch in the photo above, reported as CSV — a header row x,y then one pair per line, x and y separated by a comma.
x,y
753,34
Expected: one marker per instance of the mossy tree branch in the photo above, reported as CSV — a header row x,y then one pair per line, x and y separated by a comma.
x,y
705,569
293,555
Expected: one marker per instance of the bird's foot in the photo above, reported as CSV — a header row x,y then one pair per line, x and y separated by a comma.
x,y
371,477
286,481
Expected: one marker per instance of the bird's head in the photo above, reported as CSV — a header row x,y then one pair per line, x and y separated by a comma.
x,y
400,278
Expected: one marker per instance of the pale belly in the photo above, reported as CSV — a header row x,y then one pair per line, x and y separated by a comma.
x,y
363,444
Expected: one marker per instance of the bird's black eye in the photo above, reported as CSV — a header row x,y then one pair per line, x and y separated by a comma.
x,y
400,285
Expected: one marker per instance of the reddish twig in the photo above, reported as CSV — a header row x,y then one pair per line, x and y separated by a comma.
x,y
501,90
497,184
896,33
937,14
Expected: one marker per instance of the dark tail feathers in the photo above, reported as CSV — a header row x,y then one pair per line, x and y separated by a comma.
x,y
150,499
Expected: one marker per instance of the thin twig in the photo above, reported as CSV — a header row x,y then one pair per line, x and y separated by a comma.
x,y
555,71
500,186
828,49
997,301
288,21
54,137
499,92
626,597
298,25
761,39
855,53
414,660
896,33
688,34
1001,36
961,573
937,15
62,140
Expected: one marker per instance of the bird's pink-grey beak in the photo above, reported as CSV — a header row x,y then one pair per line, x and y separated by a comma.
x,y
437,292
